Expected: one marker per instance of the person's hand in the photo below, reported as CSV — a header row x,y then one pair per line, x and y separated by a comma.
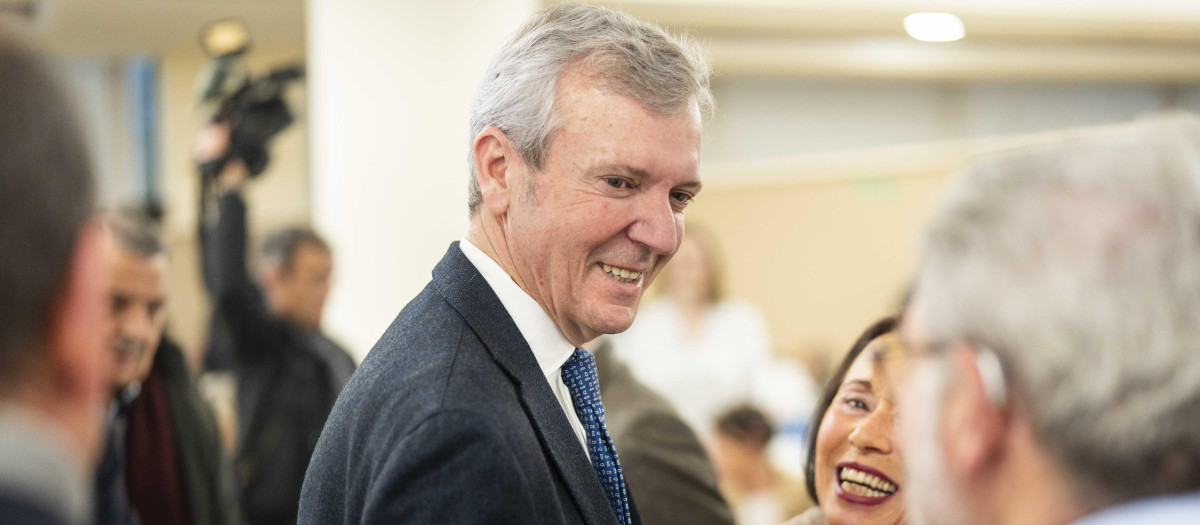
x,y
212,142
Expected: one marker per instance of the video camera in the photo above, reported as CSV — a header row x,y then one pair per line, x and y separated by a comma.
x,y
253,108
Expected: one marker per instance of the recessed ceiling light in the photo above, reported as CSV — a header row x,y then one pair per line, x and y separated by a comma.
x,y
934,27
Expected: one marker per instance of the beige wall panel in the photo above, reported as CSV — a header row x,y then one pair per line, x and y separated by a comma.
x,y
821,260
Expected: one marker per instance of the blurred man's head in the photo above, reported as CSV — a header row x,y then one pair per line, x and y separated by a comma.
x,y
585,147
52,358
1056,312
297,268
743,434
137,266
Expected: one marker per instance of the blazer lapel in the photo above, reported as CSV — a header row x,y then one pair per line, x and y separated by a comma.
x,y
468,292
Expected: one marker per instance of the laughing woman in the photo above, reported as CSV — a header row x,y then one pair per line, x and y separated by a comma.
x,y
854,470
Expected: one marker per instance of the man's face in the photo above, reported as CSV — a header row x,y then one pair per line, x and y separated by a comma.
x,y
593,228
934,495
301,292
137,293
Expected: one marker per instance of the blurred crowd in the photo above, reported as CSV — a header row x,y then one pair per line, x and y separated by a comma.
x,y
1043,369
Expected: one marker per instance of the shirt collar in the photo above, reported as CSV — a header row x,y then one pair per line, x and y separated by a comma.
x,y
549,345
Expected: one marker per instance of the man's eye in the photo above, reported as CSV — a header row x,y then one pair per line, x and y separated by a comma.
x,y
617,182
681,197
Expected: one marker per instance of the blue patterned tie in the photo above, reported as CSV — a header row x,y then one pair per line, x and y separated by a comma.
x,y
579,373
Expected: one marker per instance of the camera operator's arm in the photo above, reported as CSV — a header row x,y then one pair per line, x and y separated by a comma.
x,y
238,300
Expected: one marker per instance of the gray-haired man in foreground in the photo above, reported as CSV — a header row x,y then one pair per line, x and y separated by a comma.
x,y
477,405
1057,323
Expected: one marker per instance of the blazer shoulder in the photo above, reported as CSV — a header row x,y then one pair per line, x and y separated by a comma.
x,y
428,359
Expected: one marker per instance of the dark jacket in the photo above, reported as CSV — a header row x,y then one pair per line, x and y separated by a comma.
x,y
15,510
287,377
664,463
203,468
450,420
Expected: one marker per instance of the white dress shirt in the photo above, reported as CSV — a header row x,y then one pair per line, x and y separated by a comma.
x,y
549,345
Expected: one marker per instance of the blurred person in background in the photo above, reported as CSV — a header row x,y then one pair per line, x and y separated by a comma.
x,y
1055,320
288,372
705,352
665,465
54,369
163,462
759,492
854,469
477,404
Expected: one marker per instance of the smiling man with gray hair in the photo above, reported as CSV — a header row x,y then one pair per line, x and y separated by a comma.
x,y
1057,320
478,404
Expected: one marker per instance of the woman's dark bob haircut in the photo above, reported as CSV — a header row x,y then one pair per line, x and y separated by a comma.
x,y
881,327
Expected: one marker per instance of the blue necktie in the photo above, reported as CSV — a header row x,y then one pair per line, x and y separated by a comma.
x,y
579,373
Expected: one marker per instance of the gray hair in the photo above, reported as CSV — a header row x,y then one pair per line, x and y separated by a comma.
x,y
629,57
1078,262
279,249
135,232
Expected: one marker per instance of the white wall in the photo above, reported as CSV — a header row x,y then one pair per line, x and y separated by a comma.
x,y
390,85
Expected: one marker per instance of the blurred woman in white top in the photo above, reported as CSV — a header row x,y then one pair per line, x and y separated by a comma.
x,y
704,352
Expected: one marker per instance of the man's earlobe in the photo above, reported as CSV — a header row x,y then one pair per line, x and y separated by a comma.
x,y
493,165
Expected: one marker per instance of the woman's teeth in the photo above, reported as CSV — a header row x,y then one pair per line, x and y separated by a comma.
x,y
863,484
621,274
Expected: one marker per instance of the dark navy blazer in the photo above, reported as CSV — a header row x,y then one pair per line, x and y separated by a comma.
x,y
450,420
16,510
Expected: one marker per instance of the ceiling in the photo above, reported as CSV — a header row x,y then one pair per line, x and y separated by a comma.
x,y
115,27
1106,40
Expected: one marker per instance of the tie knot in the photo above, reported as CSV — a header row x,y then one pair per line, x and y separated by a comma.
x,y
581,363
579,374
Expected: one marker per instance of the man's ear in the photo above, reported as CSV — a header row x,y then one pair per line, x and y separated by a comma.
x,y
974,426
495,161
270,277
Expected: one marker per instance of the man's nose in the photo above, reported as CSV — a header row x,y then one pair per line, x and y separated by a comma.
x,y
134,323
657,226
